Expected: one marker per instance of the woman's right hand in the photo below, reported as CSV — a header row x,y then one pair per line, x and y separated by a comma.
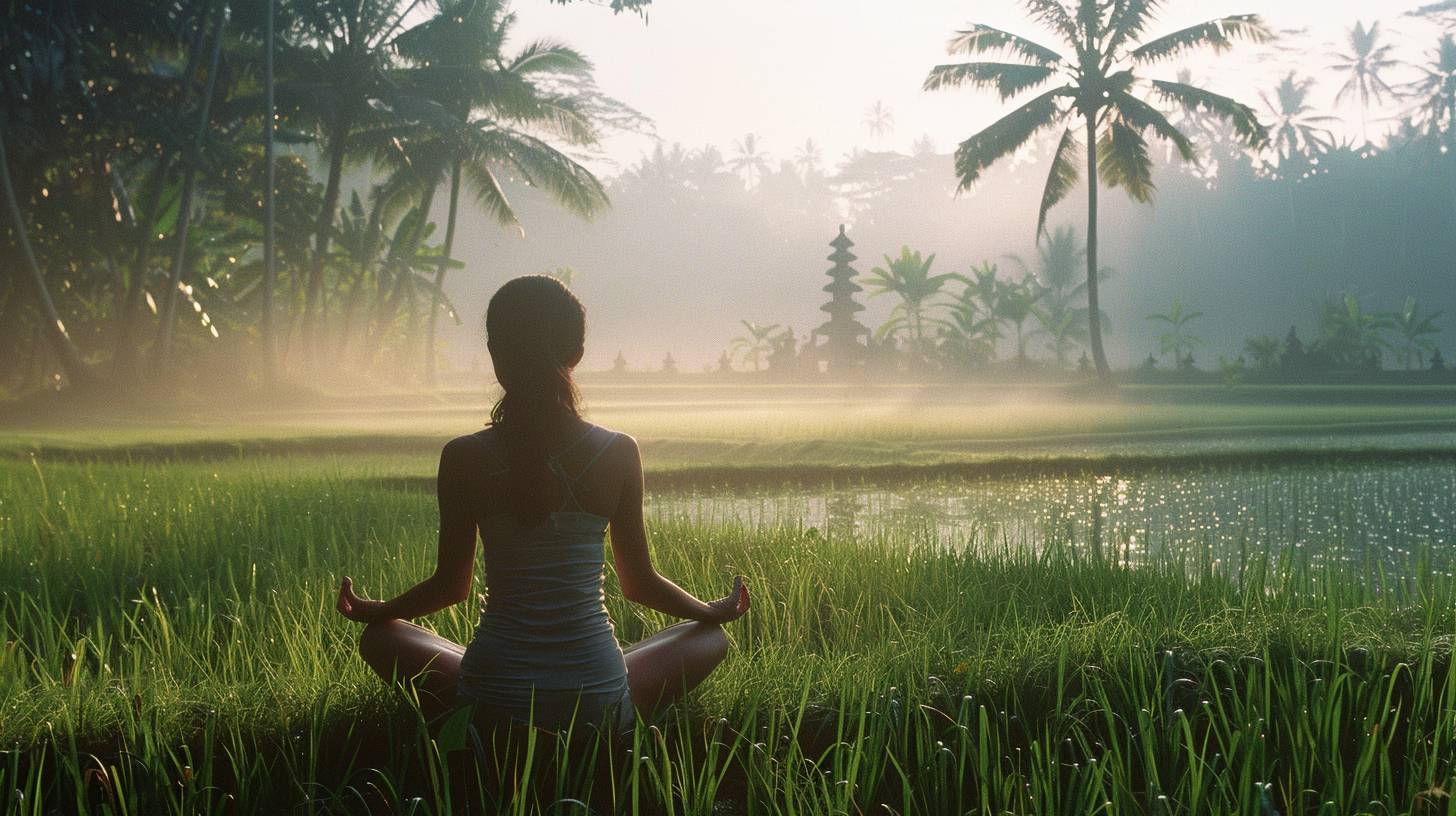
x,y
731,606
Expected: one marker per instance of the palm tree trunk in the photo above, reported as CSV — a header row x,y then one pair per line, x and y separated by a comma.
x,y
270,362
60,342
440,275
184,208
323,232
1094,313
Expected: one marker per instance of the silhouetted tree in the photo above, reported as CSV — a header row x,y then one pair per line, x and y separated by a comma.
x,y
1101,94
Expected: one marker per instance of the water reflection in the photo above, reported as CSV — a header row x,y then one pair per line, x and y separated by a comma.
x,y
1376,515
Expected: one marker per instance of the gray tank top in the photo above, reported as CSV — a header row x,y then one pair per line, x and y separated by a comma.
x,y
544,636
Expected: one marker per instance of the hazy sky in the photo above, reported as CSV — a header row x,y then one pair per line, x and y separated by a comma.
x,y
713,70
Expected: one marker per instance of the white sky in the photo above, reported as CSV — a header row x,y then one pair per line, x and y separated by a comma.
x,y
709,71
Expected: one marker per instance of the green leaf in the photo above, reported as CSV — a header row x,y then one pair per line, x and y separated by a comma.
x,y
1009,79
1218,35
1007,135
1123,161
1062,177
1143,116
1238,115
984,39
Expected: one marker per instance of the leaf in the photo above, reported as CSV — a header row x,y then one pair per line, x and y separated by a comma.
x,y
1218,34
1123,161
1009,79
1061,178
1238,115
1143,116
1005,136
984,39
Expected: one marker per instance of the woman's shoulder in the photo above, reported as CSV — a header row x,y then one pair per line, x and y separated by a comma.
x,y
469,447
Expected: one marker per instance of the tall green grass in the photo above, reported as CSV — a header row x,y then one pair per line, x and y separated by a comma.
x,y
169,646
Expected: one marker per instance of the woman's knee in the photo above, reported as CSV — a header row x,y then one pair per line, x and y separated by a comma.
x,y
375,640
713,641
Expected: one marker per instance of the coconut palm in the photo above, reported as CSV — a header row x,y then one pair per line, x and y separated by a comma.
x,y
1099,104
1016,303
1414,327
879,120
749,161
759,340
908,278
1295,129
1435,92
492,113
1362,65
1176,339
808,158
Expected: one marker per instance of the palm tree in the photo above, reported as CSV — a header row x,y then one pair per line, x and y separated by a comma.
x,y
1177,340
1061,309
807,158
270,272
757,342
55,330
1414,327
1349,335
1263,350
492,113
749,161
1015,304
879,120
1362,64
1296,131
908,278
1436,92
1099,98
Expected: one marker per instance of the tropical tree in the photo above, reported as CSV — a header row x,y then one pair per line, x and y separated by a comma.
x,y
1061,308
1414,328
1296,130
749,161
1099,104
1362,63
1263,350
1349,335
1435,92
758,341
1016,303
491,113
808,158
879,120
908,278
1176,339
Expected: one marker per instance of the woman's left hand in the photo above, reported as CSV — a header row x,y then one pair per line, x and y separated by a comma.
x,y
355,608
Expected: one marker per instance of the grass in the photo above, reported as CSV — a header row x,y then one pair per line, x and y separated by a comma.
x,y
170,647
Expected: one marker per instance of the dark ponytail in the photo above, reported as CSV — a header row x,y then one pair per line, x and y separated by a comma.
x,y
535,328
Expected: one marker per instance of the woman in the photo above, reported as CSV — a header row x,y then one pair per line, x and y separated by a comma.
x,y
542,486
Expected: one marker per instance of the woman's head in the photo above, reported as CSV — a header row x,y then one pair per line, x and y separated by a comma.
x,y
535,329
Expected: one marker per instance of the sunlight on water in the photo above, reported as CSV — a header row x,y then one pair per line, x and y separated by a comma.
x,y
1366,514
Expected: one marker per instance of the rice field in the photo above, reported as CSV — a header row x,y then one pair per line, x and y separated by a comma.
x,y
1090,634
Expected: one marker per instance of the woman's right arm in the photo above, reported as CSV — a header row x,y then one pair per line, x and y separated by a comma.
x,y
640,581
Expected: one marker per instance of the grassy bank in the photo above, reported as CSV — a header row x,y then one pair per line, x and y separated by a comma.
x,y
170,643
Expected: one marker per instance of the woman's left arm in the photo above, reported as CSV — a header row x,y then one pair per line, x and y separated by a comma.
x,y
450,583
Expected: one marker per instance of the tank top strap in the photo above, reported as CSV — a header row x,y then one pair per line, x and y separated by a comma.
x,y
495,460
603,440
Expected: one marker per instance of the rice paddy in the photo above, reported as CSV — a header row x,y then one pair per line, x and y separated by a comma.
x,y
1081,633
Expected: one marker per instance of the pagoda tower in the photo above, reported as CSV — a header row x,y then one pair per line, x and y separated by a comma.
x,y
842,349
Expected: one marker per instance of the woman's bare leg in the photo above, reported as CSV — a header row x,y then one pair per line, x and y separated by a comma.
x,y
665,666
401,652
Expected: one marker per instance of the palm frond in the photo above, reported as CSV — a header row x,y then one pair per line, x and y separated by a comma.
x,y
1054,15
549,56
540,165
1143,116
1218,34
1006,135
1123,160
1062,177
1128,20
1008,78
984,39
1239,116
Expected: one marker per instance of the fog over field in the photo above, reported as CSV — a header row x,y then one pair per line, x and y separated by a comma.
x,y
692,246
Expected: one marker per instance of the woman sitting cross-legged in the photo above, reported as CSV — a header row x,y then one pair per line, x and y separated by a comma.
x,y
542,486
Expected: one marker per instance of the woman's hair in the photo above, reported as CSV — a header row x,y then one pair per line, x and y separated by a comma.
x,y
534,328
